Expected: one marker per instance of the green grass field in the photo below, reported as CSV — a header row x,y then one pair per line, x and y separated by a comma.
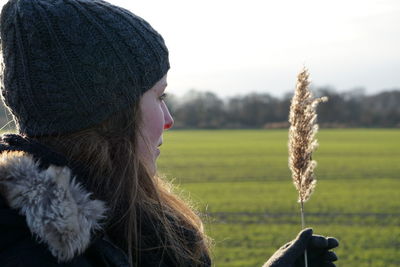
x,y
241,182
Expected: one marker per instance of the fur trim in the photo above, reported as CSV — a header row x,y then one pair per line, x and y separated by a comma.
x,y
57,208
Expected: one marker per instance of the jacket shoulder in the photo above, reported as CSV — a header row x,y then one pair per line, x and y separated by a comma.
x,y
29,253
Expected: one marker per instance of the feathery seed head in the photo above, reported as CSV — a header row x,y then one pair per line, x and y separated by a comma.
x,y
302,131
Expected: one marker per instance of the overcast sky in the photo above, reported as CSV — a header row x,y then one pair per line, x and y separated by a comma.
x,y
235,47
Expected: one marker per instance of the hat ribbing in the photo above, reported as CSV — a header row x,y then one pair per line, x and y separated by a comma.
x,y
70,64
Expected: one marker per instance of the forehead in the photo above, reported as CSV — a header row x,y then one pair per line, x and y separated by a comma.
x,y
161,84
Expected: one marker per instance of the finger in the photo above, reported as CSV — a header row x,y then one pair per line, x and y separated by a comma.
x,y
332,243
330,256
303,238
318,241
305,234
329,264
299,244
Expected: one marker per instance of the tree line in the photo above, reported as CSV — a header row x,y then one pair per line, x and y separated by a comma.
x,y
205,110
261,110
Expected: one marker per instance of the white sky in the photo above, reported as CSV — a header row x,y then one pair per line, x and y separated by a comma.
x,y
235,47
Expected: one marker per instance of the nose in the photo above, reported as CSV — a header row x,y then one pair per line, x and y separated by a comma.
x,y
168,120
168,126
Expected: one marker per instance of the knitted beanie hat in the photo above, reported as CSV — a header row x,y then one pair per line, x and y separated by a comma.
x,y
70,64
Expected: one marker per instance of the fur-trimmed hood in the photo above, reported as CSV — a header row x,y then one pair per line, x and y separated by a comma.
x,y
57,208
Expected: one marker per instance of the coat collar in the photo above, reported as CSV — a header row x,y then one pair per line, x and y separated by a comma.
x,y
58,209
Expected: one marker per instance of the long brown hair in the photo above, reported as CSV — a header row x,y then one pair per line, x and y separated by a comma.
x,y
117,176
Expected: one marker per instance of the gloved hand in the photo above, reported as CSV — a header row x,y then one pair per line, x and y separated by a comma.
x,y
318,254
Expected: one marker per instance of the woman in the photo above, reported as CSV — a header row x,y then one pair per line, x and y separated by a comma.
x,y
85,81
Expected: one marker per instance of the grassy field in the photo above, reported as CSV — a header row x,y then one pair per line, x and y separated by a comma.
x,y
241,182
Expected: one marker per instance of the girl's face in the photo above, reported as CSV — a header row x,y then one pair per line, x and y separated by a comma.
x,y
155,119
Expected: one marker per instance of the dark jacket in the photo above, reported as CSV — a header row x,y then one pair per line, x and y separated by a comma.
x,y
47,217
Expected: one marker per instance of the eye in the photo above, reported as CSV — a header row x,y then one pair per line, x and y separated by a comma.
x,y
163,96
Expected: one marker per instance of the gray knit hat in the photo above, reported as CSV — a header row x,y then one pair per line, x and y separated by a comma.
x,y
70,64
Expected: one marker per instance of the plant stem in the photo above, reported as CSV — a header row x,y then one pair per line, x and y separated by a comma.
x,y
302,226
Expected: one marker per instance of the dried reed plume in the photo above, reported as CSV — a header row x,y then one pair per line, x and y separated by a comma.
x,y
302,131
302,140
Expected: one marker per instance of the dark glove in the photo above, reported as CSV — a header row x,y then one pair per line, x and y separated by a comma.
x,y
318,254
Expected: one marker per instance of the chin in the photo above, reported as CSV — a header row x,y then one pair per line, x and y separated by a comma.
x,y
152,169
149,163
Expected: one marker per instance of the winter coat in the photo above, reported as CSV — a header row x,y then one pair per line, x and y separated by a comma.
x,y
47,217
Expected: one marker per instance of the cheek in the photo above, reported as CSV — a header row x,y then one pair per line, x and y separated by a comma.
x,y
153,124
